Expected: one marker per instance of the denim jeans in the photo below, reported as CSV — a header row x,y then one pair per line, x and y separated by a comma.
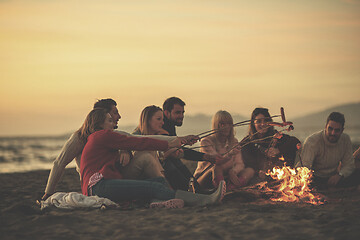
x,y
119,190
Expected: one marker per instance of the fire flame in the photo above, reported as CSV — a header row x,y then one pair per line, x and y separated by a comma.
x,y
292,185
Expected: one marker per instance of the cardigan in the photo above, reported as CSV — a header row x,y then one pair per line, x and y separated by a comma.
x,y
211,145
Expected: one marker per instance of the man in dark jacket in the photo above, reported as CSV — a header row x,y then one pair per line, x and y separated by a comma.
x,y
177,174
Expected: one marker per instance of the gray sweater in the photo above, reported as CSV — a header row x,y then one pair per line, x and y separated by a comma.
x,y
324,157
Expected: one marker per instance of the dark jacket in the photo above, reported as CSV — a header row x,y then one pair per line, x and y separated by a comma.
x,y
254,153
189,154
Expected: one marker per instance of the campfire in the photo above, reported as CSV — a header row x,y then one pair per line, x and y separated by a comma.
x,y
291,185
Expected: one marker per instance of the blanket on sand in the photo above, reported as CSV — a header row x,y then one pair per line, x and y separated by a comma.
x,y
72,200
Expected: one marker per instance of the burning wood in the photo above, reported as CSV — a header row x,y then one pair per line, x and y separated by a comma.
x,y
286,185
291,185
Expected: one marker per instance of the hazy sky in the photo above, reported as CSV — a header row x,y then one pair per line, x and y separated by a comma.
x,y
58,57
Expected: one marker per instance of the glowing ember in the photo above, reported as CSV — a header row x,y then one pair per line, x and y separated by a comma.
x,y
292,185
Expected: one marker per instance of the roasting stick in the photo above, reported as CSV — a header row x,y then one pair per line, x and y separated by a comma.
x,y
213,131
283,124
200,146
239,147
257,140
253,141
242,123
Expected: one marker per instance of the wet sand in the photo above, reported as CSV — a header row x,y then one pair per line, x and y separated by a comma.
x,y
238,217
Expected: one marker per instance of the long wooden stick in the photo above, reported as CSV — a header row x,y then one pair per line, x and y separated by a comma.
x,y
256,140
211,164
247,122
213,131
200,146
241,123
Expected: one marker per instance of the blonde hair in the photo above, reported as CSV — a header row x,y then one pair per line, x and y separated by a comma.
x,y
92,123
223,117
145,117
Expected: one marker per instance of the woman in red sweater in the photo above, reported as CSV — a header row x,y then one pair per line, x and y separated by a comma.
x,y
99,174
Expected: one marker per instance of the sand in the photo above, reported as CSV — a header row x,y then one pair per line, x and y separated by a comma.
x,y
238,217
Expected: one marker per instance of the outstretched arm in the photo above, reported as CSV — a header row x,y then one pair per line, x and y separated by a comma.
x,y
116,141
158,137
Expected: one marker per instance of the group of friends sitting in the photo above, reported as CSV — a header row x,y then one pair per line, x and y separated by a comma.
x,y
147,164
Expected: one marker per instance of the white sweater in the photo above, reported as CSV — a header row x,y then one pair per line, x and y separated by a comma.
x,y
324,157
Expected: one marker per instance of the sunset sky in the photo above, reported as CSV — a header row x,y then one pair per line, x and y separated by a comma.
x,y
58,57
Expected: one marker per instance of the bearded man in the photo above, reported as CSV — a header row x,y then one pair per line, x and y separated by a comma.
x,y
329,154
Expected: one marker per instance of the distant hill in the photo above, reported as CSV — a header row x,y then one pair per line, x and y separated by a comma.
x,y
306,125
202,122
318,119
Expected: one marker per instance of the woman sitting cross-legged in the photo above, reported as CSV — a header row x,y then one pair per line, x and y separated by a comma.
x,y
100,176
223,142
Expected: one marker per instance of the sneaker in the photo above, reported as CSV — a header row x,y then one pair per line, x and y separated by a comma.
x,y
172,203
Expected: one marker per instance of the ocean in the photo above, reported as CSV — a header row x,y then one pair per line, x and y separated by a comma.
x,y
21,154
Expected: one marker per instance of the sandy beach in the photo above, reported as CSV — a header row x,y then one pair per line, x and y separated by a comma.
x,y
238,217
